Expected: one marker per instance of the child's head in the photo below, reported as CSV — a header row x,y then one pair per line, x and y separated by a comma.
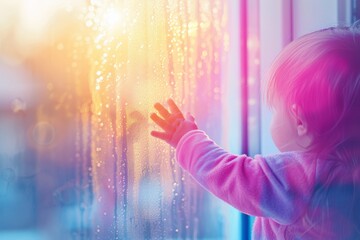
x,y
316,80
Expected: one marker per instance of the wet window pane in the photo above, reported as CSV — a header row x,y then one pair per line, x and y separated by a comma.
x,y
78,83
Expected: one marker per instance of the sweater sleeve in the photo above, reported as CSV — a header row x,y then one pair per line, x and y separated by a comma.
x,y
277,187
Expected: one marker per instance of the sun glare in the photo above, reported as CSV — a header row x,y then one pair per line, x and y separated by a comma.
x,y
113,17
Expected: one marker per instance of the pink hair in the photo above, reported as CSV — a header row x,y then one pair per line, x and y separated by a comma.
x,y
320,73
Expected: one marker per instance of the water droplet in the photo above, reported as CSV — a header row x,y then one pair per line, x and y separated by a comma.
x,y
89,23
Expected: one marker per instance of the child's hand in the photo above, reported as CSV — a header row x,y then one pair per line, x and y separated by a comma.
x,y
173,123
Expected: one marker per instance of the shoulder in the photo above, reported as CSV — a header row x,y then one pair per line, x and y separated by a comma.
x,y
296,170
290,159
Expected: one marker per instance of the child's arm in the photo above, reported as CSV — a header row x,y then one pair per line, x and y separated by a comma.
x,y
277,187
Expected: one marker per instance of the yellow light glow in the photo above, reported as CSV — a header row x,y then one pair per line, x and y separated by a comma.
x,y
113,17
114,20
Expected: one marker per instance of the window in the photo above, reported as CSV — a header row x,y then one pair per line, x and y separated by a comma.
x,y
78,84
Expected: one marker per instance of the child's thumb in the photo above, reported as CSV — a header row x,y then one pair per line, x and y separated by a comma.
x,y
190,117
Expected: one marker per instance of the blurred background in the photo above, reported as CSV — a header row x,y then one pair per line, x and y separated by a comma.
x,y
78,80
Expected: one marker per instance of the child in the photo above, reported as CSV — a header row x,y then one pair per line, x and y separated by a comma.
x,y
312,189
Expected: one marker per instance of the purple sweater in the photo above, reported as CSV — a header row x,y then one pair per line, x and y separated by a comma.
x,y
292,195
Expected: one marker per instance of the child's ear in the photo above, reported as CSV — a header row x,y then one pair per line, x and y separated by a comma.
x,y
301,126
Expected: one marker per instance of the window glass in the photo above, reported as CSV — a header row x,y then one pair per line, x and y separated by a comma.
x,y
78,83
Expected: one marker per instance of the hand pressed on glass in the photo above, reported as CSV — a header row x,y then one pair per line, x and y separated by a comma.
x,y
174,124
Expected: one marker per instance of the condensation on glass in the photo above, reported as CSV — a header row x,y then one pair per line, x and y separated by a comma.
x,y
77,160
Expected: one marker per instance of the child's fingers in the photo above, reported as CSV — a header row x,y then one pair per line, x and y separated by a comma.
x,y
174,108
163,111
161,135
161,122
